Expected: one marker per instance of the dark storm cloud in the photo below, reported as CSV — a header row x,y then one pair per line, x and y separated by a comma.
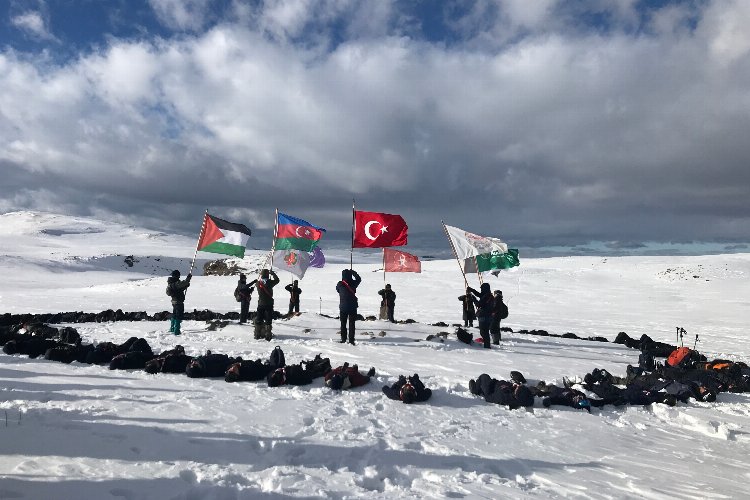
x,y
522,123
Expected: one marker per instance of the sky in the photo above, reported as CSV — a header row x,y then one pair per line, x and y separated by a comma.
x,y
546,123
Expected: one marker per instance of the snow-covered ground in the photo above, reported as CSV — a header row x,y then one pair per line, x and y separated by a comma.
x,y
80,431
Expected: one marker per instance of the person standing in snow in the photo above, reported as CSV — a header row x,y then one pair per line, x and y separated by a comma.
x,y
347,289
484,302
243,293
294,292
468,308
176,290
264,316
499,312
389,301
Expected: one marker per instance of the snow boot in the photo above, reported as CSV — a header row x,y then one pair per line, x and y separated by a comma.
x,y
258,332
176,330
267,333
171,325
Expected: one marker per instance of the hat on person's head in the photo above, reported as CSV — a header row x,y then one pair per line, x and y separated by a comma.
x,y
336,382
277,378
264,273
582,403
388,286
523,395
175,273
498,292
243,277
407,393
485,288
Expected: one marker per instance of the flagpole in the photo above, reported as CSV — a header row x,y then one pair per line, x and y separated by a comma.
x,y
275,234
383,267
455,254
200,236
351,250
479,275
203,229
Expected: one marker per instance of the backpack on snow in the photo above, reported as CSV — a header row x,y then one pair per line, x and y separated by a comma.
x,y
646,361
276,360
681,357
464,336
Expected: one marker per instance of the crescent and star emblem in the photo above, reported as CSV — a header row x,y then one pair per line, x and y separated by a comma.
x,y
383,229
306,232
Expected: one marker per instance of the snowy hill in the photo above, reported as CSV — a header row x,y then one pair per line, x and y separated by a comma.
x,y
81,431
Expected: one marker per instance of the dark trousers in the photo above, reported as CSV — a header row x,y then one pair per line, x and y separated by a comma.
x,y
293,306
495,330
484,329
349,318
178,312
265,315
244,309
390,314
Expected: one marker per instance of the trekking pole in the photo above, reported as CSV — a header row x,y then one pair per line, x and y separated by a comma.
x,y
682,334
320,311
677,338
696,341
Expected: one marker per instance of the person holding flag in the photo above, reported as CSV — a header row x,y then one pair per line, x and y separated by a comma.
x,y
243,293
294,293
264,315
176,290
347,290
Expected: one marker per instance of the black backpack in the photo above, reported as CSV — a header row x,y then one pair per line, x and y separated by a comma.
x,y
464,336
503,310
276,360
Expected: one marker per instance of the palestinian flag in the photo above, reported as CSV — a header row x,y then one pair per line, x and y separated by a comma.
x,y
297,234
220,236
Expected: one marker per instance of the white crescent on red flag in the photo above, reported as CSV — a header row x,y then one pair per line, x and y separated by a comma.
x,y
377,230
397,261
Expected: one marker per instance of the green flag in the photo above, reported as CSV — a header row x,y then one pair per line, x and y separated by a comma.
x,y
498,260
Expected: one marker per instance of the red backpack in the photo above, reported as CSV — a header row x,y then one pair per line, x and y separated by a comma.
x,y
680,357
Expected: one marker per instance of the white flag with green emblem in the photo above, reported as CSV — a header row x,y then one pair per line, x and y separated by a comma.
x,y
469,244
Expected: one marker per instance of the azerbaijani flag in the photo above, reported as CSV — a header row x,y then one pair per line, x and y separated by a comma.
x,y
220,236
297,234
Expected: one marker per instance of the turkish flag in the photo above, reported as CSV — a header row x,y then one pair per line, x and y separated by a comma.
x,y
376,230
397,261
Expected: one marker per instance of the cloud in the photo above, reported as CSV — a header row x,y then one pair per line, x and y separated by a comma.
x,y
34,24
183,15
544,133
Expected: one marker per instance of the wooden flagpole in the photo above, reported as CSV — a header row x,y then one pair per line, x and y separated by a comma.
x,y
450,240
479,275
466,283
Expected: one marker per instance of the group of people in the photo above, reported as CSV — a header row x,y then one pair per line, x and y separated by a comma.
x,y
484,306
488,309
